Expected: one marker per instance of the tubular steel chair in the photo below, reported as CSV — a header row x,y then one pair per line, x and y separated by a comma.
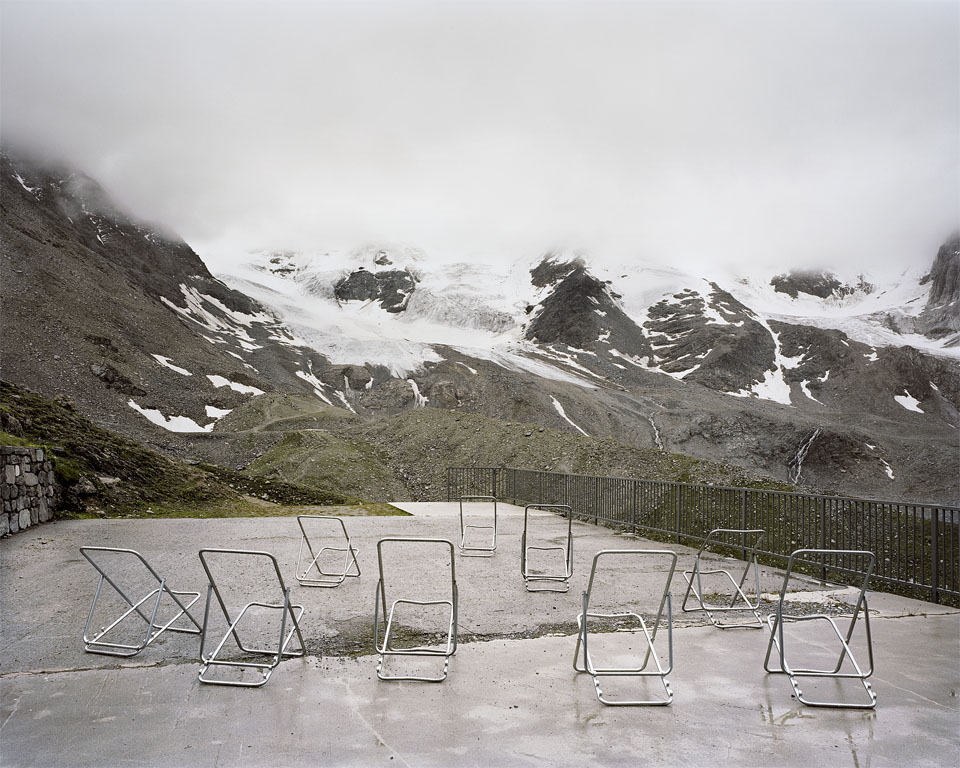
x,y
145,608
385,649
584,663
776,623
546,580
749,541
322,578
482,551
292,612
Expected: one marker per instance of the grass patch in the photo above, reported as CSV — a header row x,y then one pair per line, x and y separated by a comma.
x,y
7,439
245,508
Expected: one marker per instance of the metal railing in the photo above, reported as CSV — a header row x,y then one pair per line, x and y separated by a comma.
x,y
917,546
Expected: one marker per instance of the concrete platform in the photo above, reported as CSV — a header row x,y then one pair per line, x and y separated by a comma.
x,y
511,698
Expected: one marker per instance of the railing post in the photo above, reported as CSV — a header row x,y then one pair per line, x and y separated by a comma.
x,y
935,555
743,520
821,507
597,507
677,488
636,502
494,483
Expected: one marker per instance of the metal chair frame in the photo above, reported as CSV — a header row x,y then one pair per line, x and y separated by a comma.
x,y
776,621
649,633
384,649
294,612
325,578
695,581
97,644
547,579
478,551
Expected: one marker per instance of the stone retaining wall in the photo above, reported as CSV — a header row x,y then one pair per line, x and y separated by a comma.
x,y
27,487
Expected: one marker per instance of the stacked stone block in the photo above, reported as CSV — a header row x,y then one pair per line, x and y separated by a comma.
x,y
27,488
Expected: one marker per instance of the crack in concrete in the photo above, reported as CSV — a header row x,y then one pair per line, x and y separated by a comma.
x,y
380,739
13,711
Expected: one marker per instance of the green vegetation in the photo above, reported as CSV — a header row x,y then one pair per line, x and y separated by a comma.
x,y
7,439
406,455
104,474
247,508
322,460
67,471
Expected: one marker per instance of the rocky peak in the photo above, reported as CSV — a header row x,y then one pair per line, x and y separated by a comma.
x,y
941,317
80,212
553,268
582,311
944,275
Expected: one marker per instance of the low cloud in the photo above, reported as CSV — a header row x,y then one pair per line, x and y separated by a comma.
x,y
768,133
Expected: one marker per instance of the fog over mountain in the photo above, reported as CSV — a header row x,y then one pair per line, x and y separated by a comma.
x,y
782,134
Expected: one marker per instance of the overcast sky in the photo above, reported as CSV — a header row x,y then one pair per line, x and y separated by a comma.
x,y
782,133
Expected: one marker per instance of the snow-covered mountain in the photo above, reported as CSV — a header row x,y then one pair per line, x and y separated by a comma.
x,y
849,384
392,306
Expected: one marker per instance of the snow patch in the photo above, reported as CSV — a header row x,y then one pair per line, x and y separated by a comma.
x,y
773,387
316,384
419,401
217,413
172,423
563,415
220,381
343,399
165,362
472,370
31,190
908,402
806,390
888,469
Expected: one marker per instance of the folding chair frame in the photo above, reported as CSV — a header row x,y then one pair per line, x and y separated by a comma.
x,y
384,649
478,551
324,578
650,635
776,622
294,612
695,581
97,644
547,579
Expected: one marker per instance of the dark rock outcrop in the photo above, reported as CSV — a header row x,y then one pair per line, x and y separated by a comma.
x,y
941,316
581,312
391,287
820,284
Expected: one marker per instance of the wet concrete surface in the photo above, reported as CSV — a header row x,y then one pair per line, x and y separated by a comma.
x,y
511,698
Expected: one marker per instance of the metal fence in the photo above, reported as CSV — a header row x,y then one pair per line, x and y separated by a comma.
x,y
917,546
